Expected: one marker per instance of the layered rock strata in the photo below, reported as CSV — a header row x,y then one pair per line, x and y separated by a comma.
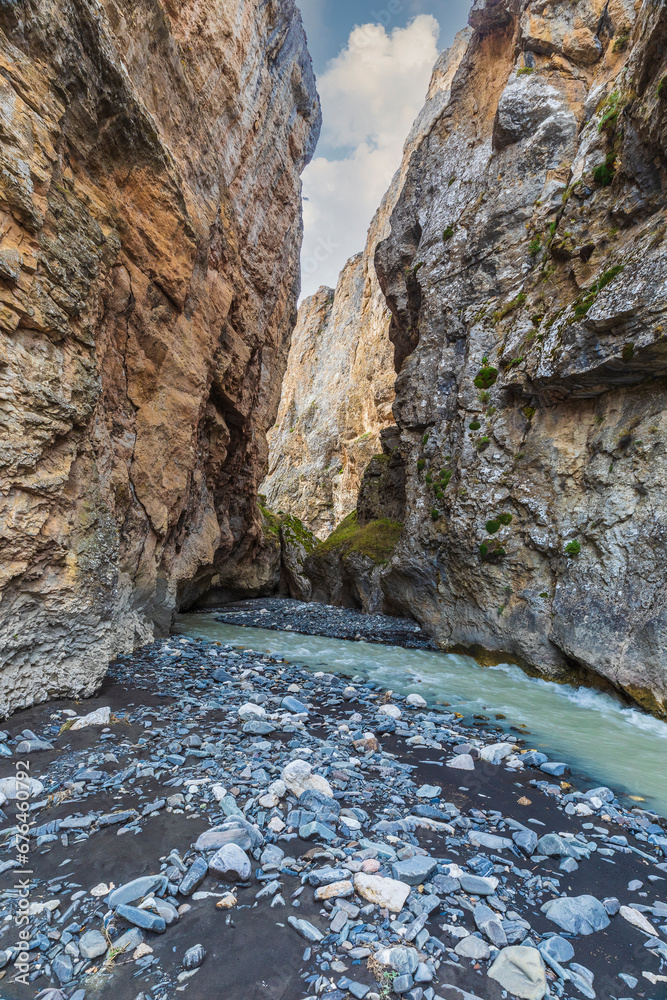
x,y
526,272
149,270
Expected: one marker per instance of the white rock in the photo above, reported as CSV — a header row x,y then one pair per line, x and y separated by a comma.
x,y
387,892
638,920
12,788
521,972
299,777
251,711
100,717
276,825
415,701
278,788
496,752
462,761
219,792
102,890
393,711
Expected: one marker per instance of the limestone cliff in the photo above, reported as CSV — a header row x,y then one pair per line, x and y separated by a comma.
x,y
526,272
339,387
336,397
150,231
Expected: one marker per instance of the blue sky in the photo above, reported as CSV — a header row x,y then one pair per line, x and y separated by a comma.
x,y
373,61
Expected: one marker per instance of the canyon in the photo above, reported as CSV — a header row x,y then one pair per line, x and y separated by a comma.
x,y
471,431
525,270
150,230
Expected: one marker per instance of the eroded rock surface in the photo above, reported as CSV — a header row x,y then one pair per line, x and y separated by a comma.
x,y
149,244
526,272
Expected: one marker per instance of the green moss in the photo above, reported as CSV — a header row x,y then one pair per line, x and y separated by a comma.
x,y
483,443
528,412
295,530
428,478
475,425
435,514
447,234
535,246
608,276
484,397
492,527
573,548
483,550
451,181
628,352
271,522
505,519
662,89
544,595
421,464
604,172
525,71
425,439
509,307
621,42
612,109
376,540
553,226
486,377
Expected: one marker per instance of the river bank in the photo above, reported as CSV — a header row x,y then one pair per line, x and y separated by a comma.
x,y
316,836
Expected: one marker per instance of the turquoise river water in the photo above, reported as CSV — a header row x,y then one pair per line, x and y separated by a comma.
x,y
602,739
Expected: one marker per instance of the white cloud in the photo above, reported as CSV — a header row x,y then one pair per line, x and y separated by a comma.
x,y
371,93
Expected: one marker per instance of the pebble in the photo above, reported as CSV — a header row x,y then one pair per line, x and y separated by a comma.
x,y
231,864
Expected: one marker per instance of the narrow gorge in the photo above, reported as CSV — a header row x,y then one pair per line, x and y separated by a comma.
x,y
521,253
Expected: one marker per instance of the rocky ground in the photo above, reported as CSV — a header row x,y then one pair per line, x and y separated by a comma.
x,y
284,614
226,825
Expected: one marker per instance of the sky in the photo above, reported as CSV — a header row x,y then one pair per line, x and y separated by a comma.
x,y
373,62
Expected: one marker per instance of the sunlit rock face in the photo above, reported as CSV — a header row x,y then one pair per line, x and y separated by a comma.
x,y
526,273
338,392
149,271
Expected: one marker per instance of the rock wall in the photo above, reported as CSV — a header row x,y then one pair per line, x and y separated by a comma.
x,y
150,231
526,272
339,387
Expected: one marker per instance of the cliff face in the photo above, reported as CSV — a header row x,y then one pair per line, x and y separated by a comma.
x,y
149,244
339,387
336,397
526,272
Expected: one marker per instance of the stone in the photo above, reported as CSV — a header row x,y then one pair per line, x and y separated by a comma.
x,y
496,752
429,791
557,770
478,886
335,890
488,923
100,717
414,871
12,788
92,944
251,711
194,957
473,947
637,919
231,864
294,705
557,948
63,969
463,762
553,846
577,914
299,777
305,929
415,700
521,972
401,959
526,840
393,711
194,877
489,840
386,892
143,919
135,890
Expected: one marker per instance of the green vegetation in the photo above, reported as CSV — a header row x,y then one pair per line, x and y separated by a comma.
x,y
545,595
573,548
621,42
525,71
447,234
483,443
528,412
435,514
628,352
662,89
475,425
514,362
421,465
604,172
585,303
425,439
510,307
610,115
492,527
483,397
505,519
486,377
535,245
377,540
271,520
609,276
295,530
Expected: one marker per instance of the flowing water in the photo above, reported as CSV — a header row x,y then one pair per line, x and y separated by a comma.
x,y
602,739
